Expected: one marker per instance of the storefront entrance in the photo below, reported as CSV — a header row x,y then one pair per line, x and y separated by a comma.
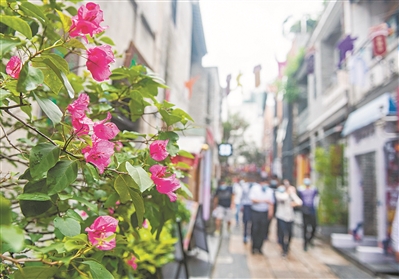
x,y
368,182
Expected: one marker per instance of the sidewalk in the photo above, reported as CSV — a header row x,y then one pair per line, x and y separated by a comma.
x,y
321,261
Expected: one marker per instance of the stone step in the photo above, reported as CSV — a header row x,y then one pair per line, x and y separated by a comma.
x,y
370,254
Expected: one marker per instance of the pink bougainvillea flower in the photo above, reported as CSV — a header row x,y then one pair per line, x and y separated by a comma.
x,y
164,185
78,108
14,67
132,262
87,21
157,171
105,130
101,230
145,224
158,150
98,62
167,186
99,154
82,126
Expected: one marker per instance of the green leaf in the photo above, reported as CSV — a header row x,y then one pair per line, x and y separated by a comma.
x,y
121,185
34,208
111,201
172,146
92,207
43,157
29,78
6,45
107,40
74,43
140,176
138,205
50,109
183,190
5,211
131,134
182,113
3,94
98,271
76,242
34,11
67,226
61,75
74,215
33,197
65,20
17,24
57,60
168,118
61,176
14,236
52,80
186,154
28,111
35,272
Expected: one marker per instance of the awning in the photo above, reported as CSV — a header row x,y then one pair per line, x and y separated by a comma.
x,y
381,106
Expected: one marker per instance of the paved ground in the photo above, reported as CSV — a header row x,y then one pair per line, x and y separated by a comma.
x,y
321,261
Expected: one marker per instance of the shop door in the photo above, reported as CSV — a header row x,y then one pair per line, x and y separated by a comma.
x,y
367,169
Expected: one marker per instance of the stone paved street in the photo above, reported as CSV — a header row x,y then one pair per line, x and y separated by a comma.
x,y
235,260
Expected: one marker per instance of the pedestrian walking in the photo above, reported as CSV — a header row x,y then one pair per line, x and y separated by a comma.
x,y
287,199
309,197
261,212
395,232
246,207
224,206
237,190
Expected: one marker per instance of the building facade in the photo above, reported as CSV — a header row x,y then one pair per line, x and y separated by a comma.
x,y
348,83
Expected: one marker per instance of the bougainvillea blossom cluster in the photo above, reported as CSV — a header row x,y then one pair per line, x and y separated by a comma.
x,y
165,185
158,150
101,150
101,231
132,262
14,67
87,21
98,60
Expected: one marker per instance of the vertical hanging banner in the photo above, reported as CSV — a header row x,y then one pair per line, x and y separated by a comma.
x,y
228,79
281,68
378,35
345,45
189,85
257,75
309,60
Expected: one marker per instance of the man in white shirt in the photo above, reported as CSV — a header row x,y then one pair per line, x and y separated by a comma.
x,y
237,190
262,209
287,199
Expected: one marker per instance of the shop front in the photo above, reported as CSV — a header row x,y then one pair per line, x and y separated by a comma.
x,y
372,154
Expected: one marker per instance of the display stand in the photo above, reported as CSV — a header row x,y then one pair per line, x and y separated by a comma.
x,y
199,232
180,253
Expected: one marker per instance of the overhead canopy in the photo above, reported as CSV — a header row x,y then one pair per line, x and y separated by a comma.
x,y
381,106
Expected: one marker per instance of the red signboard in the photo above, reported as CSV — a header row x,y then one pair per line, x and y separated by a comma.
x,y
379,45
378,35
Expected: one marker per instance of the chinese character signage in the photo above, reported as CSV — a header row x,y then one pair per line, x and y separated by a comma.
x,y
378,36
